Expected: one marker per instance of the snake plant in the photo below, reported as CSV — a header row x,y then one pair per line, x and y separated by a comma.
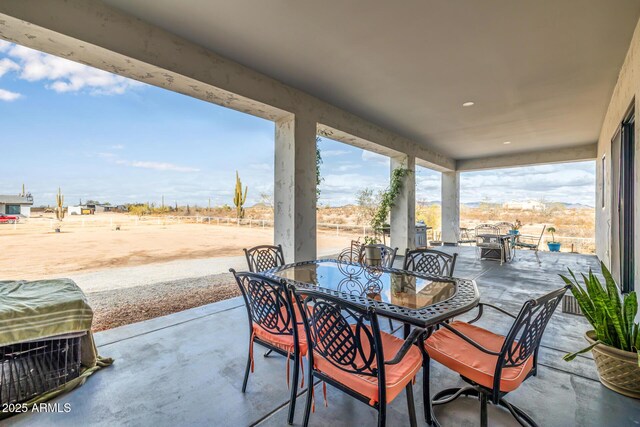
x,y
612,318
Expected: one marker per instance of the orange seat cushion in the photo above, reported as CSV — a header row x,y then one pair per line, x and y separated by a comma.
x,y
283,342
397,376
472,363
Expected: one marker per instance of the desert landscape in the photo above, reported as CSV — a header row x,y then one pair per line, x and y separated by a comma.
x,y
151,262
33,250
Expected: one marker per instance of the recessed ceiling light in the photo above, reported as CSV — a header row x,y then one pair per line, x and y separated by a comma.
x,y
468,104
507,142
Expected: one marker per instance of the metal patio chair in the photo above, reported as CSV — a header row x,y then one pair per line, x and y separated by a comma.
x,y
430,261
467,236
264,257
504,227
493,365
488,238
274,325
352,253
529,242
388,255
349,352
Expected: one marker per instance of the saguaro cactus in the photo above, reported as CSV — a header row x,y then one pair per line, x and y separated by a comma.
x,y
239,198
59,203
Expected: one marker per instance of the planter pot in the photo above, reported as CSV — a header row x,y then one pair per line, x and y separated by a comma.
x,y
618,369
372,255
553,246
514,232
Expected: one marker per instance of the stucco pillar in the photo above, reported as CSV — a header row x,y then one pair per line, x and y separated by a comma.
x,y
295,188
403,213
450,207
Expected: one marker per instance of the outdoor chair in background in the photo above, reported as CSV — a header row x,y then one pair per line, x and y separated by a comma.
x,y
348,351
430,261
387,255
492,364
467,236
352,253
264,257
529,242
273,325
488,239
504,227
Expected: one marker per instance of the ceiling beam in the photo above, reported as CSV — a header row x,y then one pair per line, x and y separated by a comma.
x,y
92,33
531,158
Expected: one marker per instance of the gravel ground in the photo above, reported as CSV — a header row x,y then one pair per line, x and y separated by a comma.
x,y
119,307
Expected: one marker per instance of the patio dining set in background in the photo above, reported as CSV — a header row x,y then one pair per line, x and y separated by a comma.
x,y
499,241
329,312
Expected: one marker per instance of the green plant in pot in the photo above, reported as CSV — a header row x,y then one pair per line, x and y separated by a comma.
x,y
379,220
615,338
552,244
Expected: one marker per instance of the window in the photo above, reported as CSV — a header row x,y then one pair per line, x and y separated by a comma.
x,y
13,210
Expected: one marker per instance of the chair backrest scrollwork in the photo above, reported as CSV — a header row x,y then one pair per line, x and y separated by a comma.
x,y
525,335
264,257
430,261
344,334
268,303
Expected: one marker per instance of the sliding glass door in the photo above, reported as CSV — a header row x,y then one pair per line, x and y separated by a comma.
x,y
623,204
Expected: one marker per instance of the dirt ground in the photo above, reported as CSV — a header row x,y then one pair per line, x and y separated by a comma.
x,y
33,250
120,307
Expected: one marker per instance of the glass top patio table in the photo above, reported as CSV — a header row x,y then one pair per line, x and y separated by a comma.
x,y
417,299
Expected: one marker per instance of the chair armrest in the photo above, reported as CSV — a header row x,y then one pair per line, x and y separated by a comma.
x,y
484,304
469,340
501,310
408,342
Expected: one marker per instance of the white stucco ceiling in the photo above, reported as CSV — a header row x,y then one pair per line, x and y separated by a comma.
x,y
541,73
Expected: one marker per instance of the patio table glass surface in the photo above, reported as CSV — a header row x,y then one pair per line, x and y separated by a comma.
x,y
418,299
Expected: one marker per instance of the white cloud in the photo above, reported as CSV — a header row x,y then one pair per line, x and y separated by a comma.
x,y
573,183
117,147
8,96
159,166
375,157
4,45
7,65
61,74
333,153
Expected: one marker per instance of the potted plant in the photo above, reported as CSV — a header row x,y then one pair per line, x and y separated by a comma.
x,y
373,254
615,338
515,230
553,245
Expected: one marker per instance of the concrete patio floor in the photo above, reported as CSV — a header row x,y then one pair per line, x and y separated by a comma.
x,y
187,368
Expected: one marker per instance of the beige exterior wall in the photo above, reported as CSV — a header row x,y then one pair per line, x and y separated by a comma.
x,y
626,92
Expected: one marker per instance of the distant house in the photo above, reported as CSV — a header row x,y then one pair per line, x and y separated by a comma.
x,y
16,205
91,209
527,205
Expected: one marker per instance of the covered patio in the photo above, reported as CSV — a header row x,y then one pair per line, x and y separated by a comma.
x,y
450,86
187,368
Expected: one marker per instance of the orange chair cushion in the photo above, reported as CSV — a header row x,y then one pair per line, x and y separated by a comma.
x,y
283,342
462,357
397,376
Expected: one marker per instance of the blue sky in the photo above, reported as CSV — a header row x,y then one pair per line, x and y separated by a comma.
x,y
104,137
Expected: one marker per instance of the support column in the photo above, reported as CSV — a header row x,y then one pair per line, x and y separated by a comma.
x,y
403,213
295,188
450,208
